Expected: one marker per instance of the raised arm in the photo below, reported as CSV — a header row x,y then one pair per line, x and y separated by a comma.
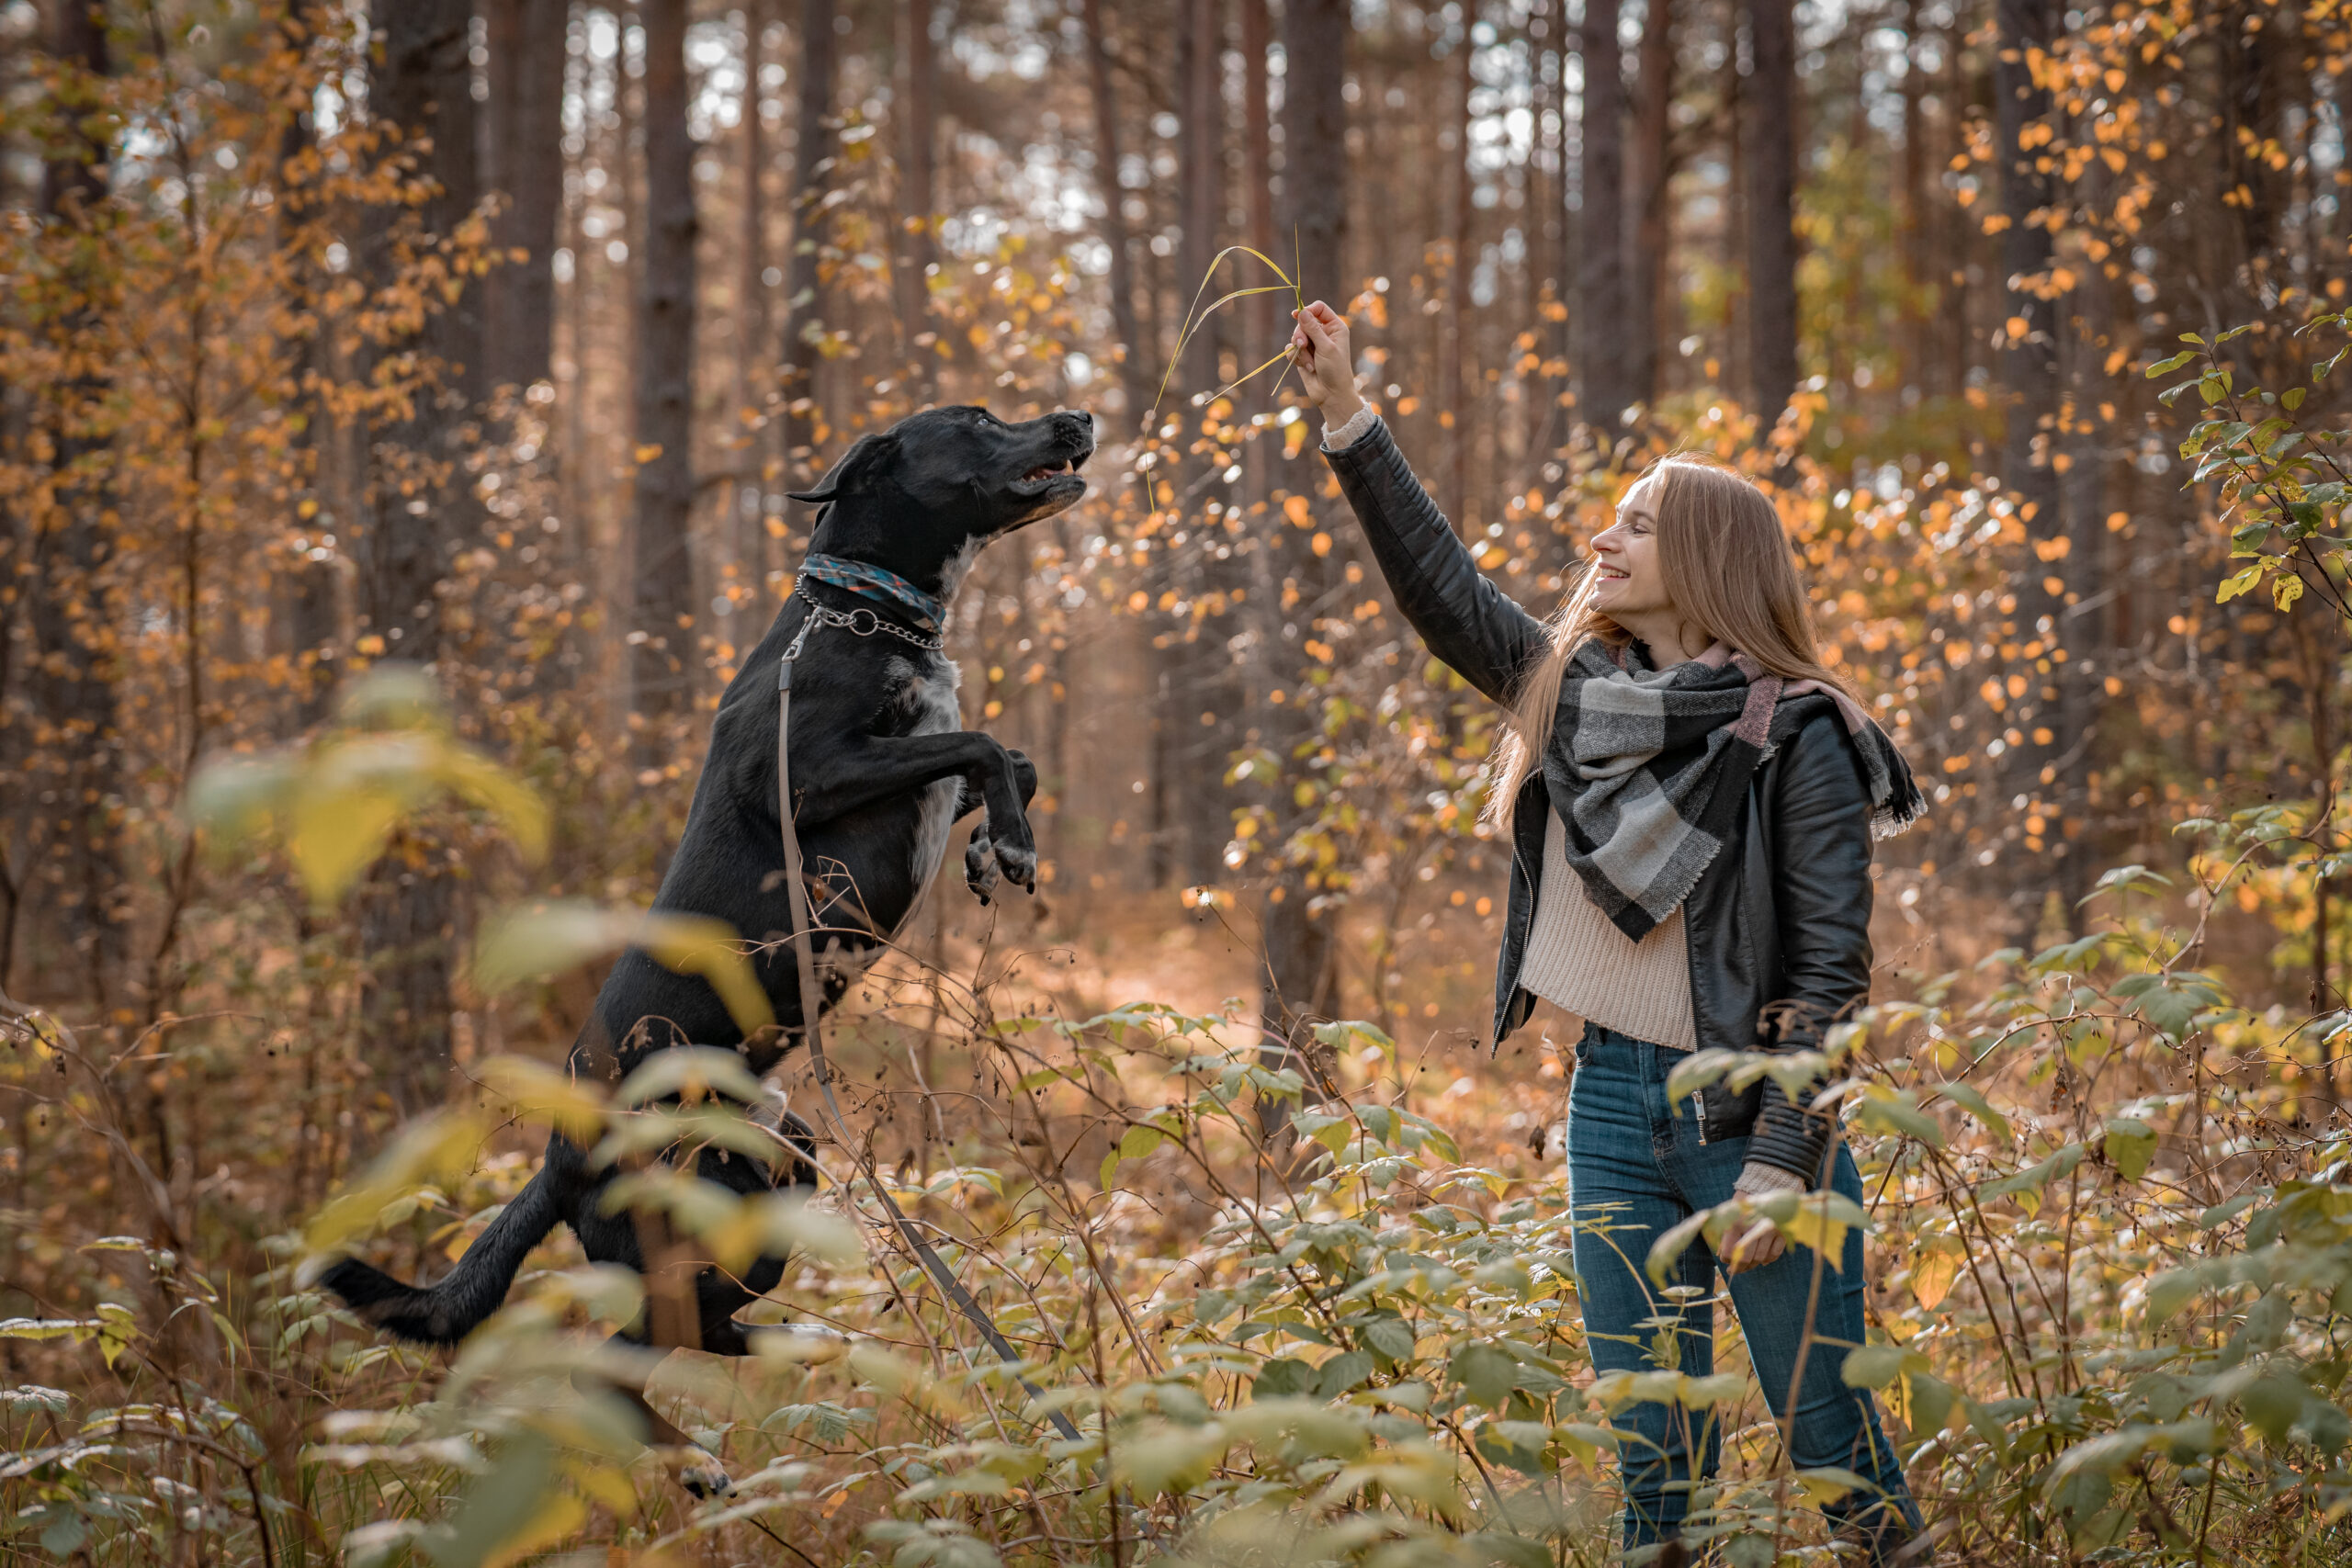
x,y
1467,622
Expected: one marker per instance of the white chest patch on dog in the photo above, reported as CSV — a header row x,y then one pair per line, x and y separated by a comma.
x,y
930,694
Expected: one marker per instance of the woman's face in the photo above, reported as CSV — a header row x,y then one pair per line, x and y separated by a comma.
x,y
1631,582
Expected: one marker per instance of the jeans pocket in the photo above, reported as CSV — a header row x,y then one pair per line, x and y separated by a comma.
x,y
1584,1047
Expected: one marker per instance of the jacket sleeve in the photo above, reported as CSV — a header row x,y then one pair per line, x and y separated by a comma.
x,y
1820,823
1467,622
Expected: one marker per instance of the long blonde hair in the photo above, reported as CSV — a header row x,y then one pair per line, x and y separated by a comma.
x,y
1732,577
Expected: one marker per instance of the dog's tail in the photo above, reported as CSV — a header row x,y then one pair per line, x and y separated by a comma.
x,y
446,1312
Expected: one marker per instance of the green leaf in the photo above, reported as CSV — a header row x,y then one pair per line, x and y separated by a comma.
x,y
2240,582
1486,1372
2131,1145
1969,1097
1897,1111
1875,1366
1342,1372
1283,1376
2272,1404
1392,1337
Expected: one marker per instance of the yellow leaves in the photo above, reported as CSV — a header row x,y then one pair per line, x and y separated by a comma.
x,y
1935,1265
1297,509
1320,544
434,1150
536,940
337,803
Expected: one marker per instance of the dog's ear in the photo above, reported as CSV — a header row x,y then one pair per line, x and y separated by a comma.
x,y
856,470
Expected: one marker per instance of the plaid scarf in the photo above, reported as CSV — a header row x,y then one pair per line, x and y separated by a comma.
x,y
1649,769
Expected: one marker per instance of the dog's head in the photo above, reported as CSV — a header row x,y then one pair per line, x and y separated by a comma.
x,y
921,497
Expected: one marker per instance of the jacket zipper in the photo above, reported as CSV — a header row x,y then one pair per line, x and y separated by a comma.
x,y
1698,1104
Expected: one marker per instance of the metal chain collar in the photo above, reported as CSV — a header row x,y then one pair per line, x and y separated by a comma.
x,y
860,622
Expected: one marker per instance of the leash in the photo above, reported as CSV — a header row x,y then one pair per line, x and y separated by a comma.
x,y
861,622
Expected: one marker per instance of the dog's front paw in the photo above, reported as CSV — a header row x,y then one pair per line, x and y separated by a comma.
x,y
979,865
1019,865
699,1472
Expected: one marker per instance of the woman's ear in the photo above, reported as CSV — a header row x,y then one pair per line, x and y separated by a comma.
x,y
858,469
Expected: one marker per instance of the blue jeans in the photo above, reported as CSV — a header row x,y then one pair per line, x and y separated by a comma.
x,y
1636,1169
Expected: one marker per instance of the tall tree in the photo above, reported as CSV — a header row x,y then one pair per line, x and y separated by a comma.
x,y
920,194
813,153
1299,981
1205,681
750,313
1604,352
2028,363
420,87
76,751
1649,169
662,582
521,160
1135,377
1770,146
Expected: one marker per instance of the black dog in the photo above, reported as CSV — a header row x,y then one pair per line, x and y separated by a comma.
x,y
881,770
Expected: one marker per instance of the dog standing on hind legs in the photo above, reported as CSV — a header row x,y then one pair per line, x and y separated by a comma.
x,y
881,769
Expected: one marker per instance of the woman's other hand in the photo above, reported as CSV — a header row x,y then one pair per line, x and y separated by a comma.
x,y
1318,342
1760,1243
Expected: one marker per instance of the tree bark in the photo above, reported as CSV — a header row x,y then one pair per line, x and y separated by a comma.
x,y
1772,206
522,160
1649,168
1603,347
74,764
1133,350
1299,972
1459,377
746,522
919,255
812,169
661,612
2028,364
1206,680
415,511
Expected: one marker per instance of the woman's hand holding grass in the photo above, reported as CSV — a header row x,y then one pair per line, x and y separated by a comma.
x,y
1326,367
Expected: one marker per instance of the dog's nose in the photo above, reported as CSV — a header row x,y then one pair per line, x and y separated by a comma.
x,y
1081,415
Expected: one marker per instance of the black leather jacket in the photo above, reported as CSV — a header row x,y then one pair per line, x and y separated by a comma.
x,y
1779,923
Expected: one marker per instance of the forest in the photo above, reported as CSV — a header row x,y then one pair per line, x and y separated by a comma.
x,y
402,406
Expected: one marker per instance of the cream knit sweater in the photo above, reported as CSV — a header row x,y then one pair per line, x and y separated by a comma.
x,y
1578,960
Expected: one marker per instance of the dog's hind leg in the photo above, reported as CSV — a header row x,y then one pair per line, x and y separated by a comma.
x,y
690,1464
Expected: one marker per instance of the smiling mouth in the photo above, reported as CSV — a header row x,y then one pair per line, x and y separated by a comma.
x,y
1044,471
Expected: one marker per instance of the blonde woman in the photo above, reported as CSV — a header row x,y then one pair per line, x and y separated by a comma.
x,y
1691,796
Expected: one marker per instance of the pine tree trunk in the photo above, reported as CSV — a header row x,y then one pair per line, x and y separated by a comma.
x,y
1649,169
746,532
1204,677
75,768
662,611
812,169
1299,980
522,160
1604,347
1770,146
1134,349
2028,365
417,509
919,206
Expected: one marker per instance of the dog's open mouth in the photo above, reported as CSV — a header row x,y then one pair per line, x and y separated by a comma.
x,y
1044,471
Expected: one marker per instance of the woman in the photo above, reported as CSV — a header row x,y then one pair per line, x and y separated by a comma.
x,y
1691,796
